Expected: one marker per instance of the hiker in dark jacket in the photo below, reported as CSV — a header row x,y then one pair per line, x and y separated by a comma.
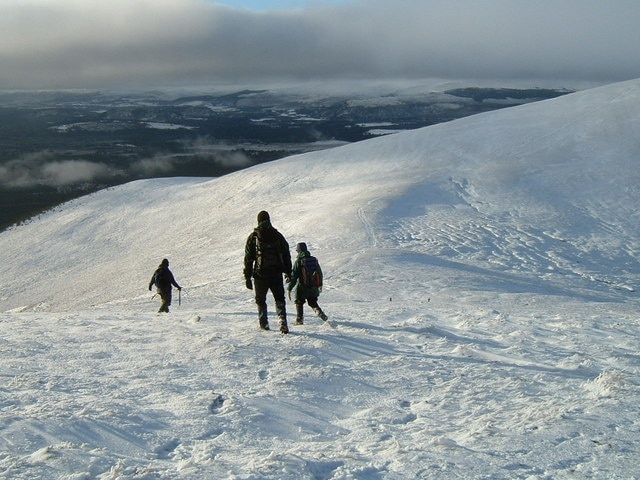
x,y
266,259
308,293
163,280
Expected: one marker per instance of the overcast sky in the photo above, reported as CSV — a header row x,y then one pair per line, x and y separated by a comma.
x,y
135,43
265,5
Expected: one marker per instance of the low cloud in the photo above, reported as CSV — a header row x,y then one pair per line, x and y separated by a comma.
x,y
217,153
93,44
214,155
43,169
149,167
232,160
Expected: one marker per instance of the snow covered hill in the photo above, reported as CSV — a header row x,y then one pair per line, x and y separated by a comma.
x,y
481,281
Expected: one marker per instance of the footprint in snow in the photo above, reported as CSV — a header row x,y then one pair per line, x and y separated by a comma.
x,y
216,403
164,451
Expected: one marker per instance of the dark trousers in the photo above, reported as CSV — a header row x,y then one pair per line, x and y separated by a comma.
x,y
313,303
261,286
165,296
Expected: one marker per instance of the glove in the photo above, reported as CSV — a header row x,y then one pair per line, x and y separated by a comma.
x,y
179,289
287,279
149,287
248,283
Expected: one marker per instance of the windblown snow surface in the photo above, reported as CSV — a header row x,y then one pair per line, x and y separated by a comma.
x,y
481,286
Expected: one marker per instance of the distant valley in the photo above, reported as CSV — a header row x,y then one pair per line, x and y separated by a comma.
x,y
55,146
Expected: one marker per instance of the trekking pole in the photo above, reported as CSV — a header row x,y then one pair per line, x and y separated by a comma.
x,y
179,299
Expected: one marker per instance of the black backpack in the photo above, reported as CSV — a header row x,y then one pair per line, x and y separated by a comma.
x,y
310,275
161,278
268,252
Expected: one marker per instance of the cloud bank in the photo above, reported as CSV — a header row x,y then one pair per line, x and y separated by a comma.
x,y
95,44
45,168
42,168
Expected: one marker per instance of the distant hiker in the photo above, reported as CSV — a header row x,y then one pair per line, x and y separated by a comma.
x,y
163,280
306,278
266,259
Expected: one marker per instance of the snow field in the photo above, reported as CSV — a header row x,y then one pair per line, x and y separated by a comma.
x,y
481,284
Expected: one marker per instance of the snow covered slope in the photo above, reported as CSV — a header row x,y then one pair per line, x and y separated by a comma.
x,y
481,281
544,189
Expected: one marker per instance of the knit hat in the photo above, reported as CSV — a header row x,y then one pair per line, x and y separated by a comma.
x,y
301,247
262,216
164,263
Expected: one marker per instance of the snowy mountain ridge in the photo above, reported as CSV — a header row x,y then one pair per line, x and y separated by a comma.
x,y
481,284
519,183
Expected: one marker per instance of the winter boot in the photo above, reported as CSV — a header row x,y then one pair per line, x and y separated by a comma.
x,y
262,318
284,328
320,313
299,313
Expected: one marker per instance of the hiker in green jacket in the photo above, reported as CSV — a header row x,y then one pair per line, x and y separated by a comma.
x,y
306,279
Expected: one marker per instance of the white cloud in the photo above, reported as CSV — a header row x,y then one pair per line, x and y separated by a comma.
x,y
73,171
161,164
42,168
